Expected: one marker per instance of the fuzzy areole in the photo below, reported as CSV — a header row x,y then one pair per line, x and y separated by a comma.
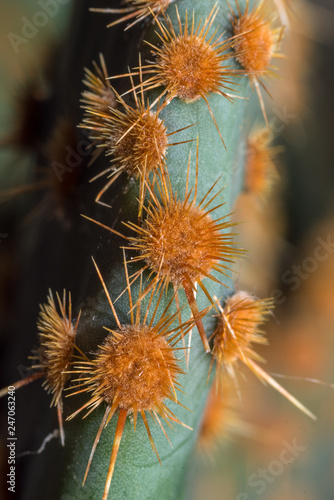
x,y
181,244
238,328
189,63
257,40
260,169
57,335
137,367
133,136
57,344
134,371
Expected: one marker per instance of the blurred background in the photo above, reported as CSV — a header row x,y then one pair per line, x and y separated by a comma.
x,y
289,235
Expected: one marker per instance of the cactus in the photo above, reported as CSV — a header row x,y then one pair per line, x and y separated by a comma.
x,y
198,179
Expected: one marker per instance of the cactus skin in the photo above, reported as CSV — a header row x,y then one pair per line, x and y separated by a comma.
x,y
68,264
137,472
